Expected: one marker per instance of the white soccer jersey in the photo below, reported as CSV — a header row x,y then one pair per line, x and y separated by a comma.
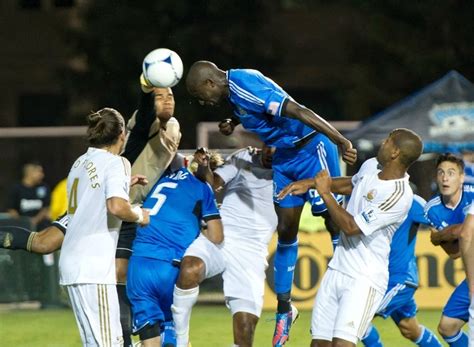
x,y
379,207
247,209
88,249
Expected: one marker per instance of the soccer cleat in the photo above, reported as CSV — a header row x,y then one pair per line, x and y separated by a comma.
x,y
284,321
168,334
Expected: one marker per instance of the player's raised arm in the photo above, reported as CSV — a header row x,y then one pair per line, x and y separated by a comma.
x,y
339,215
339,185
310,118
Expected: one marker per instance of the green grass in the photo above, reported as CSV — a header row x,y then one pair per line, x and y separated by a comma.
x,y
210,326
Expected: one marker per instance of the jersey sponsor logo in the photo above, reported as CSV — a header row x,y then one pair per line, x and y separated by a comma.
x,y
273,108
369,216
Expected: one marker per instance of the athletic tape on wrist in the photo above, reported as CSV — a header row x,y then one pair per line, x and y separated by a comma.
x,y
139,212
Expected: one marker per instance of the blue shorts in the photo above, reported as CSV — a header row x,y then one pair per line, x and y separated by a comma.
x,y
150,285
291,165
398,302
458,303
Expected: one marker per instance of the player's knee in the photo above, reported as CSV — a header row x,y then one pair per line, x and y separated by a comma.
x,y
409,328
191,273
448,327
244,331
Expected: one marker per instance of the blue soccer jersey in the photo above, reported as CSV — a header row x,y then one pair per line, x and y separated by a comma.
x,y
258,103
177,203
441,216
402,261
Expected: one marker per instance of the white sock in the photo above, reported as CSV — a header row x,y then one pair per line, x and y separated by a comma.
x,y
183,302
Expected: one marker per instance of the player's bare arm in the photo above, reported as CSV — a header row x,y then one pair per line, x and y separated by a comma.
x,y
122,209
466,245
214,231
308,117
344,220
448,234
339,185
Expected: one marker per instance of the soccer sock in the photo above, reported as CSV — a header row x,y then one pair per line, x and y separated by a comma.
x,y
372,337
12,237
125,314
427,338
457,340
284,267
183,302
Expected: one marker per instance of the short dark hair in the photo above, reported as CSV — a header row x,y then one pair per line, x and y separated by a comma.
x,y
453,158
105,126
409,143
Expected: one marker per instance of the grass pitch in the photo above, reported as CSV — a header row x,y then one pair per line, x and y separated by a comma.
x,y
211,326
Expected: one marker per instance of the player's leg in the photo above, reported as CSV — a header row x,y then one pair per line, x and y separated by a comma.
x,y
325,310
43,242
96,310
325,154
244,285
455,315
358,303
202,260
372,337
150,284
122,255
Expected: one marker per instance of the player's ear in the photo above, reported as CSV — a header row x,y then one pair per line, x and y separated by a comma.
x,y
210,83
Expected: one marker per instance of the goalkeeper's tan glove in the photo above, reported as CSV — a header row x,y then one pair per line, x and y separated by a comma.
x,y
146,86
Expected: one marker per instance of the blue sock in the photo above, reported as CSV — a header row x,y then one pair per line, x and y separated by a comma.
x,y
284,265
372,337
335,241
458,340
427,338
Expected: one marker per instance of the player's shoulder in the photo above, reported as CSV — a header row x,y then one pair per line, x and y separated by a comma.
x,y
433,204
419,201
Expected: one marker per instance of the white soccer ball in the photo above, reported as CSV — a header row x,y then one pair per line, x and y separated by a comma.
x,y
163,68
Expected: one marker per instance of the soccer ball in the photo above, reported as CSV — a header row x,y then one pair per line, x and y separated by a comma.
x,y
163,68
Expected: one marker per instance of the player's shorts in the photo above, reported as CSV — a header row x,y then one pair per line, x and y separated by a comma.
x,y
150,285
127,234
398,302
97,313
290,165
458,303
242,265
344,307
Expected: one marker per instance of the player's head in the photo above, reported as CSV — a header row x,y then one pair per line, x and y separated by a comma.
x,y
164,103
33,172
106,128
403,146
449,174
206,82
267,156
215,160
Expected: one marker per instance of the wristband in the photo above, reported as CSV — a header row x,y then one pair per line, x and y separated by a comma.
x,y
139,212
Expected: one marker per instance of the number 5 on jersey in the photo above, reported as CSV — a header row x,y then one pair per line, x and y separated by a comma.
x,y
160,197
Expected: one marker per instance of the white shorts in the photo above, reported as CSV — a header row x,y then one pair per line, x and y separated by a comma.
x,y
344,307
97,312
243,270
